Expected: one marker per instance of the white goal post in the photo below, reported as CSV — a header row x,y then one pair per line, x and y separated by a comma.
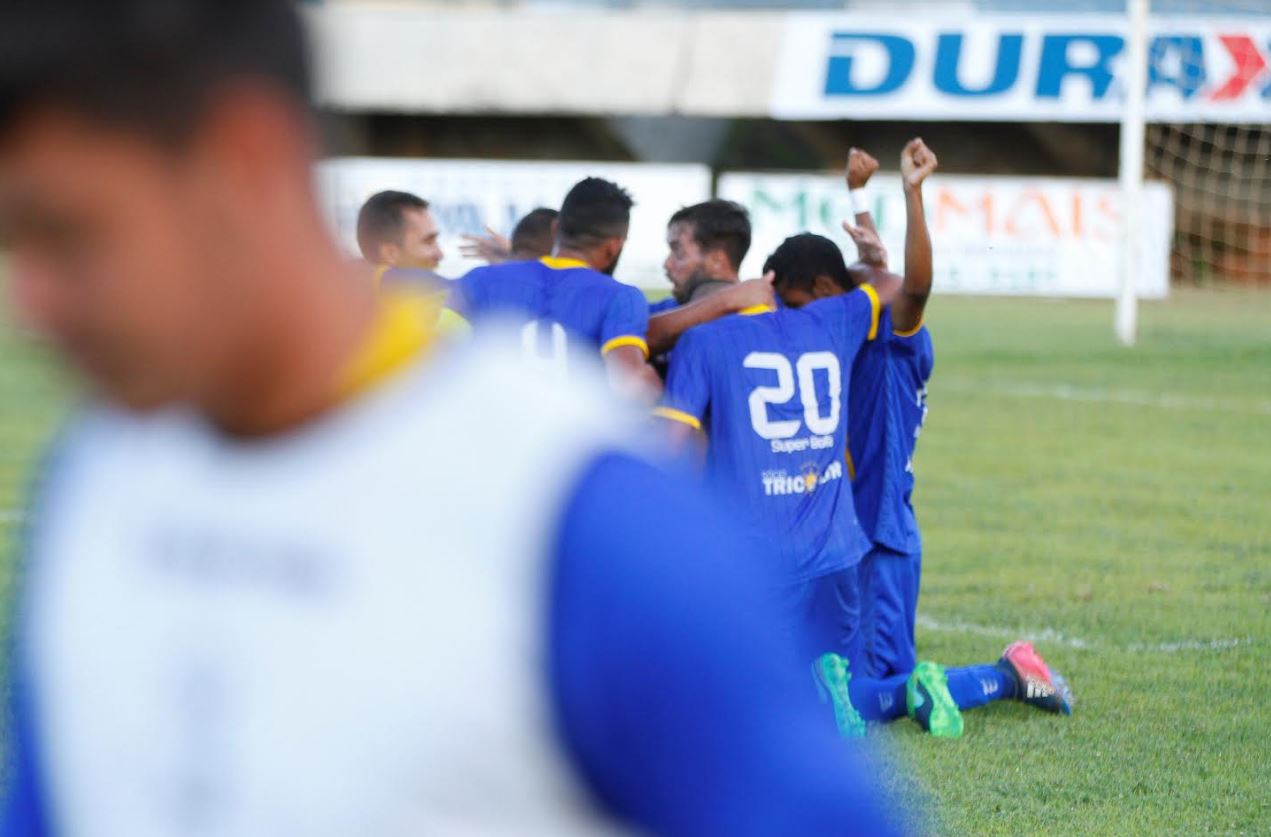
x,y
1219,170
1133,136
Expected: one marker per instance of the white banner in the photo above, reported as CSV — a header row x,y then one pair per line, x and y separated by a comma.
x,y
1017,67
1027,236
467,195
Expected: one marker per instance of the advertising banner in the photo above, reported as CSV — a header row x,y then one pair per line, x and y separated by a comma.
x,y
1024,236
1016,67
468,195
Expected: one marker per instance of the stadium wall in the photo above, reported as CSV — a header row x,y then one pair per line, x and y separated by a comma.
x,y
771,91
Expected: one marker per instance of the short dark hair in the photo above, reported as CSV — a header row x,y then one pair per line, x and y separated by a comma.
x,y
533,233
719,224
593,211
381,219
801,258
145,65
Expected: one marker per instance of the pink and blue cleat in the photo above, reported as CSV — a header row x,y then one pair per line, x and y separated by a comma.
x,y
1039,685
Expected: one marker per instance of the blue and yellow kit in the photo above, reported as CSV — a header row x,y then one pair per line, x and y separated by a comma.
x,y
770,391
887,409
589,305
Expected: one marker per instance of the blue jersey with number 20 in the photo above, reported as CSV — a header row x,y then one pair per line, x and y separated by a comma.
x,y
770,391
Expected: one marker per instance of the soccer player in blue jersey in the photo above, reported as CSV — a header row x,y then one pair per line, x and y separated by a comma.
x,y
292,571
571,298
768,391
706,244
886,410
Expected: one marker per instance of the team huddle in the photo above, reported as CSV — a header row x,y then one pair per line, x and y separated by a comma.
x,y
802,396
333,551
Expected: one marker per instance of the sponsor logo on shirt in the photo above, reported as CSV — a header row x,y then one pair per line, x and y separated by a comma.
x,y
780,483
805,443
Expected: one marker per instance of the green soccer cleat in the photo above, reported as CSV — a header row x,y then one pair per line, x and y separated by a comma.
x,y
832,678
929,702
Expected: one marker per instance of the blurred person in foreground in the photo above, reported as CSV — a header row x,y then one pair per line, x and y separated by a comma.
x,y
297,569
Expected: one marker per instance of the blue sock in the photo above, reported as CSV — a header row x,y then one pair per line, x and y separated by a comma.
x,y
879,700
973,686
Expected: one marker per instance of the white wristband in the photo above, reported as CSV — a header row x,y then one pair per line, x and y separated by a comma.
x,y
862,201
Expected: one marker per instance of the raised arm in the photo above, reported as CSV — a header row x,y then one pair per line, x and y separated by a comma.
x,y
871,256
917,162
665,328
860,168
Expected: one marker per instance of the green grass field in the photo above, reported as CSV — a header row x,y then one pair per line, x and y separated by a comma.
x,y
1112,505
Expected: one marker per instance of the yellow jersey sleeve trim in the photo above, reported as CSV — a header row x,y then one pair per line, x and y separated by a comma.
x,y
678,415
626,340
911,332
557,263
876,309
757,309
851,466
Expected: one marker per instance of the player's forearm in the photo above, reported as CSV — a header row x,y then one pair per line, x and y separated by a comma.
x,y
631,376
908,308
865,220
665,328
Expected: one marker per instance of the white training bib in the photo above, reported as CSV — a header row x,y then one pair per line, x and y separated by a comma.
x,y
337,632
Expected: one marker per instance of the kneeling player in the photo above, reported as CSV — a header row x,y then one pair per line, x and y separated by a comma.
x,y
768,389
887,407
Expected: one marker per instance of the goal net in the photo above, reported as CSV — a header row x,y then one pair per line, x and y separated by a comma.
x,y
1220,173
1221,176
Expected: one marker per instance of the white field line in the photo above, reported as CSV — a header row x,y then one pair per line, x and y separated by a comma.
x,y
1101,395
1049,636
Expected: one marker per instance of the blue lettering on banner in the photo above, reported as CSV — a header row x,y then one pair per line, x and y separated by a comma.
x,y
1005,70
900,63
1057,63
1178,61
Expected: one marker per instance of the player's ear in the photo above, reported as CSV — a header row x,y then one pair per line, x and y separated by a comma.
x,y
389,254
824,286
613,249
717,264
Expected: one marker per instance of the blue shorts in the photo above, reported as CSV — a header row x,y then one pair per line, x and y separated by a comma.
x,y
889,604
827,610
